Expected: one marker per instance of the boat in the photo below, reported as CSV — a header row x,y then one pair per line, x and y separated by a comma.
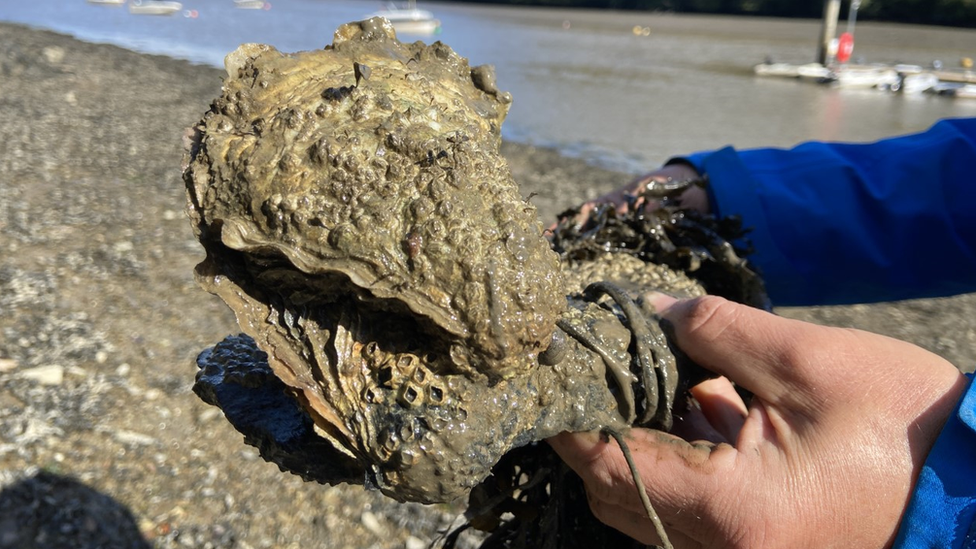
x,y
918,83
107,2
955,89
810,71
833,68
408,19
880,77
251,4
154,7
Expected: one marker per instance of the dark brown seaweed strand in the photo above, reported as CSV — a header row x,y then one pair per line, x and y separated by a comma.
x,y
641,491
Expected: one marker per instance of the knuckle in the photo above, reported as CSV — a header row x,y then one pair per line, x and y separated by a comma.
x,y
708,316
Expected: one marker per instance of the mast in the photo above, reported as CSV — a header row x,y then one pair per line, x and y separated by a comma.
x,y
852,16
828,29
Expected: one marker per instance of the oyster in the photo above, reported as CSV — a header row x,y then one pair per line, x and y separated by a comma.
x,y
369,166
361,223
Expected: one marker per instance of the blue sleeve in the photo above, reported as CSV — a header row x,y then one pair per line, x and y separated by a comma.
x,y
856,223
942,511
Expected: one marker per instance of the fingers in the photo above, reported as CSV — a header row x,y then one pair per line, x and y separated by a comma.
x,y
680,478
694,197
636,525
722,406
691,424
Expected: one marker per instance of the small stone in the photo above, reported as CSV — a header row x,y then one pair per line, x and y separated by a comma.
x,y
7,365
123,369
170,215
371,523
146,526
52,374
414,543
133,438
209,414
53,54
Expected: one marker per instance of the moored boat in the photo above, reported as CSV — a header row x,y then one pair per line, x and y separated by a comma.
x,y
251,4
408,19
867,77
154,7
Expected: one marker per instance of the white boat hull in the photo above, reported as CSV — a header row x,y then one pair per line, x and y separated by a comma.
x,y
867,78
154,7
107,2
919,83
905,79
430,26
410,20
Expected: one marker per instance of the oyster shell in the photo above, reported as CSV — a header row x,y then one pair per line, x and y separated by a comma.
x,y
374,165
361,223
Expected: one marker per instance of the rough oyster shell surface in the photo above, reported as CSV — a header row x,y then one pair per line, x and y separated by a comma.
x,y
361,223
374,164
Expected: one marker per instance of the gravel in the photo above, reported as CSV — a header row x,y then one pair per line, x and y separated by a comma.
x,y
102,443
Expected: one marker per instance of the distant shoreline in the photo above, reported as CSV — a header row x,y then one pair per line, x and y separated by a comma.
x,y
943,13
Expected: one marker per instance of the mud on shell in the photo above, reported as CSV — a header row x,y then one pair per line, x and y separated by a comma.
x,y
385,182
361,223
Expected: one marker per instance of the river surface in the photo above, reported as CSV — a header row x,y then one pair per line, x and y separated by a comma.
x,y
583,81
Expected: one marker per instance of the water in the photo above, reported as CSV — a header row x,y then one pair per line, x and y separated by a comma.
x,y
583,81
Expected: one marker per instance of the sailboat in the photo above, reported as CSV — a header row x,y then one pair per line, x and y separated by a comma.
x,y
408,19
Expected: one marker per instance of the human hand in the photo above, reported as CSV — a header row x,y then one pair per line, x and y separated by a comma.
x,y
825,455
694,197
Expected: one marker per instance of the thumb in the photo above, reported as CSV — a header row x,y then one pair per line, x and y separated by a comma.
x,y
768,355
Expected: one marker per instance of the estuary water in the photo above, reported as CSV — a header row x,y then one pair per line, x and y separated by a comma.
x,y
584,81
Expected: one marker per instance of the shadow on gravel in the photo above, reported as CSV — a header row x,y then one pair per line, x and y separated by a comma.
x,y
48,511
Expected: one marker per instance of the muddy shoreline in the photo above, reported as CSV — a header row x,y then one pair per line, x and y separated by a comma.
x,y
102,443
